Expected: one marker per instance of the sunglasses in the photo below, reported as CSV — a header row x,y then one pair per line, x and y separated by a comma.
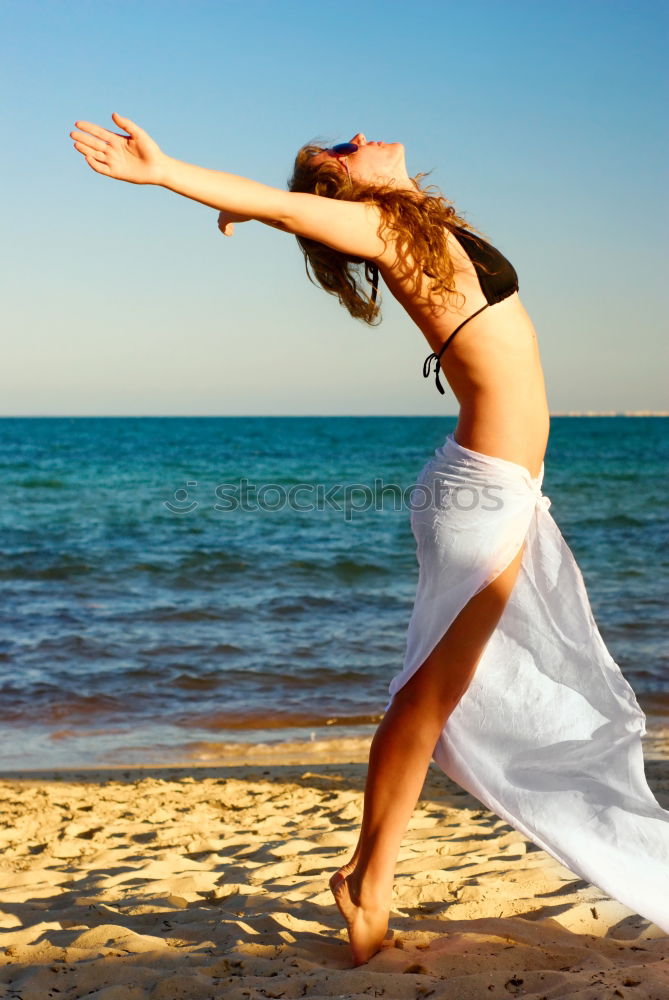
x,y
343,148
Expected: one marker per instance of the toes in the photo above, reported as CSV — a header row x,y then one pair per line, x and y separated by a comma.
x,y
341,874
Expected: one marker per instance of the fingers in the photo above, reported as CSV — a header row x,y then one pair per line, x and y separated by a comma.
x,y
90,151
120,120
88,141
227,228
97,157
98,166
94,152
100,133
127,124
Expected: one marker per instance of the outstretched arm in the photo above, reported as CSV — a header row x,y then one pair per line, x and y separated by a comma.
x,y
349,226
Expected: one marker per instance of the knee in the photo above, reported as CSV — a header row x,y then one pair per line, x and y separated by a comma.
x,y
411,722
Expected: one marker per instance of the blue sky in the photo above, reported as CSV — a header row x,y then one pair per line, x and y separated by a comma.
x,y
545,123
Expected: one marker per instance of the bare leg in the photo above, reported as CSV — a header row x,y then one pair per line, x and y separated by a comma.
x,y
399,757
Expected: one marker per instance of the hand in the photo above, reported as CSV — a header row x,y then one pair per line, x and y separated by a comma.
x,y
135,158
226,219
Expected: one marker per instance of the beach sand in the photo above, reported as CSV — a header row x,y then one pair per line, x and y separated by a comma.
x,y
211,881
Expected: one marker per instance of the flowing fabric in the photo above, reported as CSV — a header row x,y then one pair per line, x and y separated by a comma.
x,y
548,733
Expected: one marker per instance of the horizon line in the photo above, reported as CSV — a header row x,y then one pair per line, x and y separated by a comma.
x,y
297,416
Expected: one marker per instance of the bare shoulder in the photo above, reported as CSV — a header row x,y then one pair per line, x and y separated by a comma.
x,y
348,226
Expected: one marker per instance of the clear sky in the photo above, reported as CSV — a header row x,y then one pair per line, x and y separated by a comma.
x,y
544,122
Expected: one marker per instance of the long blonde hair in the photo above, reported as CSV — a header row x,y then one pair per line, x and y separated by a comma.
x,y
418,222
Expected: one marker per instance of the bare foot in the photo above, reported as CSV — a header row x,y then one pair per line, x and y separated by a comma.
x,y
366,926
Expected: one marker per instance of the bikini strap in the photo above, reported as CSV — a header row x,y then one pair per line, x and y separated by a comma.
x,y
437,357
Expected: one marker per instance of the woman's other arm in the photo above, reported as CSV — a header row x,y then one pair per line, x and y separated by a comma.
x,y
226,221
349,226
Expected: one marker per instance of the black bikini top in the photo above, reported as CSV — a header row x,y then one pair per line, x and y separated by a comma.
x,y
498,281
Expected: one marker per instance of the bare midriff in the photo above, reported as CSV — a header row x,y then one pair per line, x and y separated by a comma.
x,y
492,366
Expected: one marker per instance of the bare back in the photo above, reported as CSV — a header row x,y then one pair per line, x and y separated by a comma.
x,y
492,366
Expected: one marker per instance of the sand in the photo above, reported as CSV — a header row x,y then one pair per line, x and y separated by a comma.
x,y
211,881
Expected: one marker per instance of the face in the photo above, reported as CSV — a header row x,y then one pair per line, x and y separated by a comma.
x,y
373,162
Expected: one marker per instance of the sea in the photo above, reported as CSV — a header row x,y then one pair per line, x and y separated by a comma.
x,y
173,586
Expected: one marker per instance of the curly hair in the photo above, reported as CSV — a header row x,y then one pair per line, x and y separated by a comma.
x,y
417,222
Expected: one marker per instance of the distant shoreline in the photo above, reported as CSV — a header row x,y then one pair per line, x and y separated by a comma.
x,y
610,413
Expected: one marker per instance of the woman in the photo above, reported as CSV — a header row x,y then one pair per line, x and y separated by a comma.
x,y
506,680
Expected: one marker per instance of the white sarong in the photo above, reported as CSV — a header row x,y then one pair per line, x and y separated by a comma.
x,y
548,733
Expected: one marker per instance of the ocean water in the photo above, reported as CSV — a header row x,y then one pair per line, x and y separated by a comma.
x,y
154,608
